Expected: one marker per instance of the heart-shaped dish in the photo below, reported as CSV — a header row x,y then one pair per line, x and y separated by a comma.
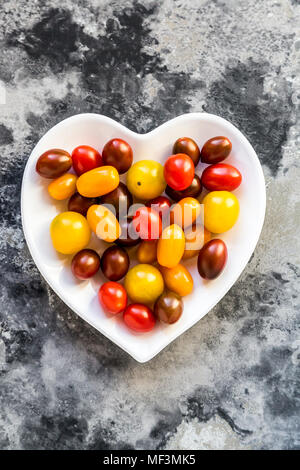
x,y
38,210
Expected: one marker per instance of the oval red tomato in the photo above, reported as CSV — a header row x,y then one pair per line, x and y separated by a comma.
x,y
221,177
139,317
85,158
147,223
113,297
160,204
179,171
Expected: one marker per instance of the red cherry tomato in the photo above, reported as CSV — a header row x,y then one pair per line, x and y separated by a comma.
x,y
85,158
147,223
179,171
113,297
139,317
160,204
221,177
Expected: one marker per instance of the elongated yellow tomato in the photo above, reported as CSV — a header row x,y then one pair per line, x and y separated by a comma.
x,y
145,179
221,211
195,237
99,181
185,212
63,187
144,283
178,279
103,223
69,232
170,247
146,252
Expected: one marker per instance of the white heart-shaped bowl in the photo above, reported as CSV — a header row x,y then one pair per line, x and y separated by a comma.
x,y
38,210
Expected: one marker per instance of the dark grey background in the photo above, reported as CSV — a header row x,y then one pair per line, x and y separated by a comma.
x,y
232,380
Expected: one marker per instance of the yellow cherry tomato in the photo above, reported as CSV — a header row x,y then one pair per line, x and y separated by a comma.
x,y
195,238
178,279
170,246
221,211
146,252
145,179
185,212
63,187
103,223
144,283
69,232
99,181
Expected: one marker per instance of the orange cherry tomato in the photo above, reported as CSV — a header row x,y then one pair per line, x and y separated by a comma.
x,y
98,181
103,223
63,187
178,279
185,212
195,237
170,247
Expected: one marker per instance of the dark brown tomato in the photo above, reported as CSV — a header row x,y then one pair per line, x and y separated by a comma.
x,y
194,190
114,263
118,154
81,204
189,147
120,198
85,264
215,150
168,307
160,204
53,163
212,259
129,236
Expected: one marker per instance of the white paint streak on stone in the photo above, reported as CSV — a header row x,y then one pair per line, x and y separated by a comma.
x,y
215,434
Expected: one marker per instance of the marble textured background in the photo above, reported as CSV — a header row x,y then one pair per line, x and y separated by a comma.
x,y
232,381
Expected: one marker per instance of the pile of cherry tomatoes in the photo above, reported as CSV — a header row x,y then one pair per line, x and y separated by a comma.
x,y
95,195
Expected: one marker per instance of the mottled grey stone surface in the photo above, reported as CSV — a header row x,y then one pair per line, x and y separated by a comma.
x,y
232,381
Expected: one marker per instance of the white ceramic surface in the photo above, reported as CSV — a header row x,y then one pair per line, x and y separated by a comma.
x,y
38,210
